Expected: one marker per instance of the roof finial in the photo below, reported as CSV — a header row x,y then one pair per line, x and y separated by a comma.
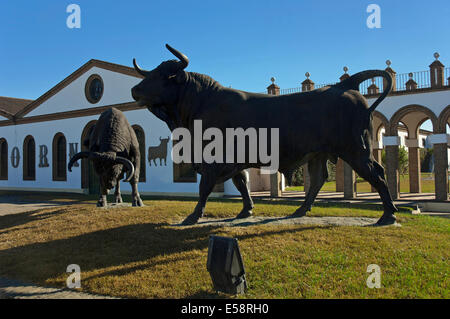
x,y
345,69
272,79
436,55
410,74
388,63
307,75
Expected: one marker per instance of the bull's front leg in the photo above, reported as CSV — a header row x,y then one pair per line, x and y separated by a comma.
x,y
117,194
318,172
102,202
207,183
135,194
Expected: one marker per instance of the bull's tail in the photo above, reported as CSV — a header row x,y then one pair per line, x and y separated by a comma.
x,y
353,82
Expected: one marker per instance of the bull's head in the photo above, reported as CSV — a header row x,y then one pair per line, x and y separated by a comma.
x,y
159,90
107,165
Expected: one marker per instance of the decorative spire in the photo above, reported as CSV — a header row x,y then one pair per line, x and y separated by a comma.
x,y
411,84
373,88
307,85
345,75
437,72
273,89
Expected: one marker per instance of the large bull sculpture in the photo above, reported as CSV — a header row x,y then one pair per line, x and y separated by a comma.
x,y
113,149
327,123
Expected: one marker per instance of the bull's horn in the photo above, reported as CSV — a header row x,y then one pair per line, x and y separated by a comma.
x,y
184,61
138,69
76,157
129,166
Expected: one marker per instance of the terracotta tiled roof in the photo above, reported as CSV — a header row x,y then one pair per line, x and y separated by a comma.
x,y
10,106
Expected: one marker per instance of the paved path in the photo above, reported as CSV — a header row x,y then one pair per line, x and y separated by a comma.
x,y
12,289
17,208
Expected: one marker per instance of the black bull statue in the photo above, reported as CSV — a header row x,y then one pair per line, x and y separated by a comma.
x,y
113,149
327,123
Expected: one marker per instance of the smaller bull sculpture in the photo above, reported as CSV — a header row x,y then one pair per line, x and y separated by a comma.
x,y
158,152
113,149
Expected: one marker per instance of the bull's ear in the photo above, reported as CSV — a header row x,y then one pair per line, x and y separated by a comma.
x,y
181,76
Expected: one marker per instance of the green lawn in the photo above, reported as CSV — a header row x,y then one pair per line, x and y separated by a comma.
x,y
427,180
135,252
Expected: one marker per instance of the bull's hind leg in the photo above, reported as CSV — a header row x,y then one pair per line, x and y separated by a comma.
x,y
241,182
207,183
372,172
136,198
318,172
117,194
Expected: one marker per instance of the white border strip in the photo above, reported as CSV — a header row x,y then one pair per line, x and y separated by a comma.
x,y
391,140
438,139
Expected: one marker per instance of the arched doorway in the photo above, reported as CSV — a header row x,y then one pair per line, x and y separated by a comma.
x,y
441,154
59,154
29,159
89,179
406,124
3,159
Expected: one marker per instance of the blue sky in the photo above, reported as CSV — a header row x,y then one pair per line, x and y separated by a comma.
x,y
239,43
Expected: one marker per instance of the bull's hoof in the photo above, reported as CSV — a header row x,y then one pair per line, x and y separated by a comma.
x,y
119,199
190,220
386,220
138,203
101,204
245,213
300,212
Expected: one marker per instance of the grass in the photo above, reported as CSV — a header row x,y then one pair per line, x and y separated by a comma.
x,y
135,252
427,181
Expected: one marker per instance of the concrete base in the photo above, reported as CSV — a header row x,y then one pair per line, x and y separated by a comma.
x,y
442,207
284,221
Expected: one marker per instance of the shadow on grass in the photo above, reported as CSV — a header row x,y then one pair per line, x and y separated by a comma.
x,y
114,247
12,220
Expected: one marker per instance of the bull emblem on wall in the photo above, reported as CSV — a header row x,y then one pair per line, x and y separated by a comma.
x,y
158,152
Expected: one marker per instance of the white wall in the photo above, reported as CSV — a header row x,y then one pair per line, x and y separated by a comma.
x,y
117,89
435,101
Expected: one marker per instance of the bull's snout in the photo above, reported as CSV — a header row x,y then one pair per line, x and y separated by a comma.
x,y
135,93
